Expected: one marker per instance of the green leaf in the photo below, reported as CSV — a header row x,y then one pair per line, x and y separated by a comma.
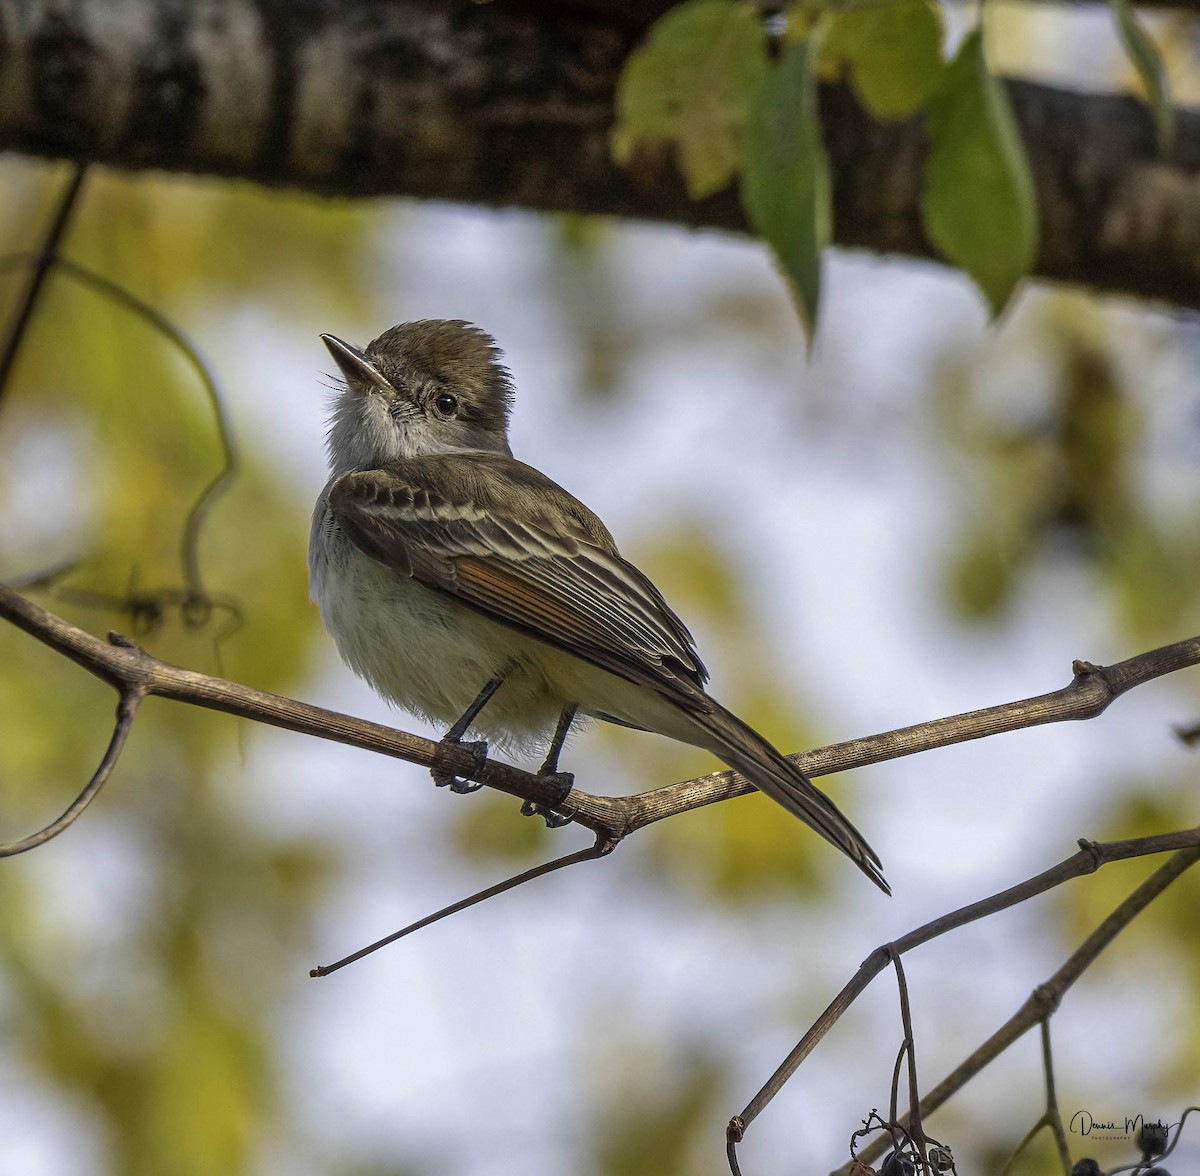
x,y
785,176
694,82
978,202
892,52
1147,60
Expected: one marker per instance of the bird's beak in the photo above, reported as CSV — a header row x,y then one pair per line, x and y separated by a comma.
x,y
361,374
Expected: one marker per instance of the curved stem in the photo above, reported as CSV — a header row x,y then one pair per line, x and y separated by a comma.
x,y
126,711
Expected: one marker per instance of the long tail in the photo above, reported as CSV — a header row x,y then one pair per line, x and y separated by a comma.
x,y
746,751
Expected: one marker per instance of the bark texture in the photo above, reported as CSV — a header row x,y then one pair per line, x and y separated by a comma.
x,y
509,103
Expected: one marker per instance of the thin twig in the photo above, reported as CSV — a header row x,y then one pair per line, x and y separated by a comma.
x,y
916,1134
127,708
1026,1140
195,603
219,483
601,848
1046,997
1091,856
1049,1120
43,260
1052,1117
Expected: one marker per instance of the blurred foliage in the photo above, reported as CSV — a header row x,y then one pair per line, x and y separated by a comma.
x,y
1050,441
1056,473
1148,63
660,1114
891,53
693,82
785,174
1160,941
733,93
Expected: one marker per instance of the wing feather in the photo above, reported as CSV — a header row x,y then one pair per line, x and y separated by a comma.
x,y
552,572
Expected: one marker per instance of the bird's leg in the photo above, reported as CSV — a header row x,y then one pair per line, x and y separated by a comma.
x,y
549,771
478,748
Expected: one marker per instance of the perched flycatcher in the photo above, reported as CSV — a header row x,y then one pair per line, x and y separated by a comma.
x,y
472,590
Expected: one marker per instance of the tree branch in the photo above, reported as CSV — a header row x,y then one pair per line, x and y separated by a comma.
x,y
1048,995
1089,694
510,103
130,669
1091,856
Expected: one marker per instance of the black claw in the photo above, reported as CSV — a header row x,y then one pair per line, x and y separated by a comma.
x,y
553,820
549,813
443,779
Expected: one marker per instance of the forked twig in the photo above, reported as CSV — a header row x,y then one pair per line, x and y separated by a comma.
x,y
909,1053
1049,1120
1091,856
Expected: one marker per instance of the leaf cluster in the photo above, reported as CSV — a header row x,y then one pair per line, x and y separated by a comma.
x,y
739,98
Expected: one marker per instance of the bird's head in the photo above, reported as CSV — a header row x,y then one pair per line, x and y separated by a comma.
x,y
434,386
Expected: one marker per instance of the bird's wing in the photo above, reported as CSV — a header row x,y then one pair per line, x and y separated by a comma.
x,y
551,573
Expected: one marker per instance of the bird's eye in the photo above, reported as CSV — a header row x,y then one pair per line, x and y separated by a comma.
x,y
446,404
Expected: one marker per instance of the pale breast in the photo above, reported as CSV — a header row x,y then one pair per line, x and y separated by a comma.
x,y
423,650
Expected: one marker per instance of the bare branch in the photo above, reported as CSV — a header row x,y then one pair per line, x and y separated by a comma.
x,y
1091,856
125,666
1091,691
1047,996
136,674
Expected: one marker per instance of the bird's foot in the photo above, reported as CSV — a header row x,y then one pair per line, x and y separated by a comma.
x,y
443,779
564,781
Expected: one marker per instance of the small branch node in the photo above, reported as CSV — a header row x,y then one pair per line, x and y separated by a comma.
x,y
1046,997
607,842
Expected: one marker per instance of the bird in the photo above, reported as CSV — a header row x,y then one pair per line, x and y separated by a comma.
x,y
470,589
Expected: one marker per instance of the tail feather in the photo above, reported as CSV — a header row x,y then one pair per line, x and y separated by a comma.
x,y
747,752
